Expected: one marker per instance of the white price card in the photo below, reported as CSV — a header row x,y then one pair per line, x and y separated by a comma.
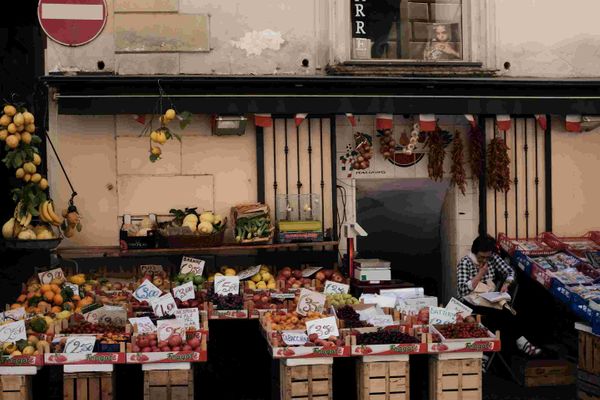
x,y
306,272
13,315
227,284
438,315
109,315
335,288
249,272
458,307
294,338
163,305
151,269
413,305
381,320
283,296
310,301
191,265
13,332
73,287
323,327
143,324
80,344
168,327
47,277
189,317
366,312
184,292
146,291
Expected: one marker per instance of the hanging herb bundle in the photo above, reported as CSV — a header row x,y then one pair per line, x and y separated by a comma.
x,y
476,152
435,164
498,167
459,178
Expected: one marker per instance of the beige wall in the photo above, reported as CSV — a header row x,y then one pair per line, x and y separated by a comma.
x,y
575,189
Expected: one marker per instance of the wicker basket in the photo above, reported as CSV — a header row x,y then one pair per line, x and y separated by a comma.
x,y
194,240
253,241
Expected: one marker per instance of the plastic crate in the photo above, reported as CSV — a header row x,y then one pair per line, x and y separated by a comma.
x,y
560,291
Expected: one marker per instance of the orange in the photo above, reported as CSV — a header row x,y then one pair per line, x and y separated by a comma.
x,y
58,299
46,287
49,295
43,304
21,298
56,309
76,297
86,301
55,288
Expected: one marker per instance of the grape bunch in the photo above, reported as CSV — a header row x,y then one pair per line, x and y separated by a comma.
x,y
462,330
229,302
388,144
350,317
385,336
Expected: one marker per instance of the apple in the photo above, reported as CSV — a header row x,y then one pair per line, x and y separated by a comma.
x,y
165,349
117,286
286,272
256,298
320,276
197,349
328,273
187,347
162,344
146,349
176,348
143,342
264,299
337,277
152,336
292,280
174,340
155,349
297,274
136,348
153,343
194,342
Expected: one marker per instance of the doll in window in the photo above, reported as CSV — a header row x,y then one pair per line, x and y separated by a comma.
x,y
439,46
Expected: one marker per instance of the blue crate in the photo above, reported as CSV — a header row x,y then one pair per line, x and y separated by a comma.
x,y
560,291
523,262
581,308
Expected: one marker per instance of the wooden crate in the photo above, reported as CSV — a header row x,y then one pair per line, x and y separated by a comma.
x,y
15,387
455,379
88,386
169,385
383,380
306,382
588,386
589,353
532,373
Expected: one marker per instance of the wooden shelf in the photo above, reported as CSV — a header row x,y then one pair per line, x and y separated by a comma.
x,y
109,251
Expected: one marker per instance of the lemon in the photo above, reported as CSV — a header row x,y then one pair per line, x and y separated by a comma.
x,y
12,128
43,184
3,134
154,136
12,142
29,167
161,137
37,160
20,128
155,151
30,128
29,119
27,178
26,137
5,120
18,119
10,110
170,114
20,173
35,178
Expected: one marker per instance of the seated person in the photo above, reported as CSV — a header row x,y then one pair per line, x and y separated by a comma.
x,y
483,265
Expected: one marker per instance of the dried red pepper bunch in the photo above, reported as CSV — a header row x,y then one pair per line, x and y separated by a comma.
x,y
498,166
435,164
459,176
476,151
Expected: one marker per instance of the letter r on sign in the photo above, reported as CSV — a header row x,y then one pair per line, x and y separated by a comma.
x,y
359,10
360,28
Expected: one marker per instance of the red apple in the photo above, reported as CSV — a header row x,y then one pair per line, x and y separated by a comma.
x,y
162,343
174,340
197,349
256,298
165,349
337,277
264,299
194,342
146,349
328,273
286,272
153,343
136,348
297,274
142,341
155,349
152,336
292,280
187,347
176,348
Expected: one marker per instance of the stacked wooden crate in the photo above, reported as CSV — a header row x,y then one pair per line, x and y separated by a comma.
x,y
588,373
306,382
88,386
383,378
455,377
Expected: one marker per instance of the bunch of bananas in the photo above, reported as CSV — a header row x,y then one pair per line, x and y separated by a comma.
x,y
47,214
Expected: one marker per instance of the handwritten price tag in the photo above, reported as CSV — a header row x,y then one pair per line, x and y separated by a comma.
x,y
146,291
193,265
294,338
168,327
381,320
184,292
48,276
189,317
227,284
151,269
458,307
438,315
163,305
73,287
13,332
13,315
143,324
80,344
336,288
324,327
310,301
110,315
306,272
249,272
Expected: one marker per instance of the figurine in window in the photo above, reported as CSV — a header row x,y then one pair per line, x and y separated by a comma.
x,y
439,46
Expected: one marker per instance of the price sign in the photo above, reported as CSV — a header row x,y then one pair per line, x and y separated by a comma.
x,y
110,315
249,272
294,338
227,284
73,287
438,315
413,305
283,296
146,291
13,315
189,317
168,327
306,272
335,288
191,265
48,276
324,327
143,324
13,332
381,320
151,269
80,344
310,301
163,305
184,292
368,312
458,307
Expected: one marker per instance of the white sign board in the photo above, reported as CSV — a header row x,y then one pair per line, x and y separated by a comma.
x,y
191,265
48,276
323,327
151,269
412,306
146,291
294,338
335,288
307,272
80,344
458,307
310,301
381,320
249,272
438,315
227,284
168,327
13,332
144,324
163,305
109,315
189,317
184,292
13,315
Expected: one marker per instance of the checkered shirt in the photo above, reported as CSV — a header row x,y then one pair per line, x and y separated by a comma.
x,y
467,270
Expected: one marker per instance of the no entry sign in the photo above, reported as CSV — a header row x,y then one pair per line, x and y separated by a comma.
x,y
72,22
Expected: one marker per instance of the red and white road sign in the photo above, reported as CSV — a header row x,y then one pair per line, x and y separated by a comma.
x,y
72,22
